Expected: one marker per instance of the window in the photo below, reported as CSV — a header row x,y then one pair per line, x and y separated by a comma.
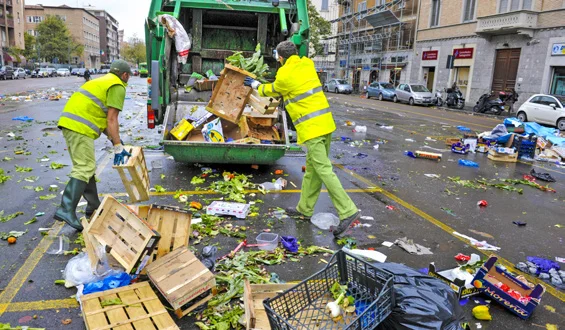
x,y
547,100
379,3
325,5
469,10
434,17
505,6
362,6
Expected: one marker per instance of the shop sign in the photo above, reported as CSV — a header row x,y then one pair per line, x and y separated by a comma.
x,y
366,68
430,55
558,49
342,63
463,53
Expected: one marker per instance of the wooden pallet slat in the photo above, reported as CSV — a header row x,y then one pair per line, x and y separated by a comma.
x,y
134,175
253,296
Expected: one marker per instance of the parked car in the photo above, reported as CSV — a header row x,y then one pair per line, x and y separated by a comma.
x,y
20,73
338,86
381,90
43,73
62,72
74,71
544,109
104,71
7,72
135,72
80,72
34,73
413,94
52,71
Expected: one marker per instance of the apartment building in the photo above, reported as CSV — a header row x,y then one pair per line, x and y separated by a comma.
x,y
11,28
325,62
82,25
109,36
495,45
375,40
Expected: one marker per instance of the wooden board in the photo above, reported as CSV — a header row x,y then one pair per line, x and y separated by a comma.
x,y
134,175
261,133
173,224
182,278
263,105
129,238
140,310
253,296
230,95
498,157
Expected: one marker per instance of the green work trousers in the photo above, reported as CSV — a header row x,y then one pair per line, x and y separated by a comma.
x,y
319,170
81,150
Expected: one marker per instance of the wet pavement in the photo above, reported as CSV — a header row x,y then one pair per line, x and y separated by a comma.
x,y
385,184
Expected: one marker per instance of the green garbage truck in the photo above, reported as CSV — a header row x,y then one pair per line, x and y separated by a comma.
x,y
215,29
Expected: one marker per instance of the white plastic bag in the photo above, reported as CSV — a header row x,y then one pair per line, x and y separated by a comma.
x,y
78,271
324,220
176,31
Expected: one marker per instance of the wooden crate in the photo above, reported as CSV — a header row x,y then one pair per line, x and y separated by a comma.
x,y
134,175
451,141
130,239
254,131
230,95
498,157
204,85
173,224
141,309
182,278
264,105
253,296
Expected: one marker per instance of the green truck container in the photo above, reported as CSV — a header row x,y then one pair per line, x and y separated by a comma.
x,y
218,29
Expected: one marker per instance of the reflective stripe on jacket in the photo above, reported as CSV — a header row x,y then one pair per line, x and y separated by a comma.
x,y
86,111
298,83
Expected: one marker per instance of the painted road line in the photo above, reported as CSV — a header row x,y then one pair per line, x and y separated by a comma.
x,y
211,192
27,268
41,305
548,288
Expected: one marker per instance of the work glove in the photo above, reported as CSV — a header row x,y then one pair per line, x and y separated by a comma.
x,y
251,82
120,154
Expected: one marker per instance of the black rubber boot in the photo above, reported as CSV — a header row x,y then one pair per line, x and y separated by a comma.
x,y
293,213
91,196
71,196
344,225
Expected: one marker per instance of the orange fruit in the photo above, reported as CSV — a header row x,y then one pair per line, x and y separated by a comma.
x,y
11,240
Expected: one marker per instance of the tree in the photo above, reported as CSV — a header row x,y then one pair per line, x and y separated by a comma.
x,y
54,40
133,50
319,29
29,51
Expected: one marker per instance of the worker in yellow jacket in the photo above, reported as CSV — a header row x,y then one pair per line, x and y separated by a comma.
x,y
91,111
298,83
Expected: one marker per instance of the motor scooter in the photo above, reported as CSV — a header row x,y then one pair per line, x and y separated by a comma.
x,y
454,97
490,102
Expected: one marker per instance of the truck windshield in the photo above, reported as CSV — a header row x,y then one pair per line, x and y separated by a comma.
x,y
142,66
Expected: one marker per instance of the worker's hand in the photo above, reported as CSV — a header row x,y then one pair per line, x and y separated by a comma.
x,y
120,154
251,82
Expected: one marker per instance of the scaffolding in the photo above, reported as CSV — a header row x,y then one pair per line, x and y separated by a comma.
x,y
373,39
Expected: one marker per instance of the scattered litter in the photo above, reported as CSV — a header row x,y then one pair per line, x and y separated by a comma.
x,y
360,129
111,282
481,245
367,218
448,211
369,254
23,118
387,243
238,210
61,244
430,139
434,176
409,246
392,207
478,325
409,140
542,176
290,243
463,128
267,241
519,224
376,147
482,203
483,234
278,185
559,259
324,221
482,313
11,135
360,155
469,163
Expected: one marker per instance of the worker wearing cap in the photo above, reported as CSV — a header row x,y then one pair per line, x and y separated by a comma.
x,y
298,83
91,111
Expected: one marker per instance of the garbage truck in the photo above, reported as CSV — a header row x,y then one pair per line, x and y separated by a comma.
x,y
215,29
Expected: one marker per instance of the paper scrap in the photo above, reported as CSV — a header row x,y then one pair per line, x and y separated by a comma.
x,y
388,244
559,259
367,218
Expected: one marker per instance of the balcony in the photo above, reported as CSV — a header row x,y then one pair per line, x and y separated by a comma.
x,y
7,21
7,2
516,22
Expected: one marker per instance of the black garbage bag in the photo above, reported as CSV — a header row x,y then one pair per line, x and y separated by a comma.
x,y
421,302
542,176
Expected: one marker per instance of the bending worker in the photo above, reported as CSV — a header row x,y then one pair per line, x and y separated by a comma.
x,y
298,83
90,111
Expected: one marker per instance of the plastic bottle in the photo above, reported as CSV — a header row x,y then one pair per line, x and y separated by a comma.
x,y
469,163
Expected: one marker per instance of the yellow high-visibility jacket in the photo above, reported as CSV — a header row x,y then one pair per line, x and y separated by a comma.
x,y
86,112
298,83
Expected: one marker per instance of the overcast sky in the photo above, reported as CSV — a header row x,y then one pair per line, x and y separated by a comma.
x,y
129,13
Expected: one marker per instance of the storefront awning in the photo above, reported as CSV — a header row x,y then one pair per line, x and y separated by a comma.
x,y
382,18
7,57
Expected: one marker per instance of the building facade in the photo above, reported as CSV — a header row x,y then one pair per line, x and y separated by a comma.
x,y
375,40
11,28
496,45
109,36
325,62
82,25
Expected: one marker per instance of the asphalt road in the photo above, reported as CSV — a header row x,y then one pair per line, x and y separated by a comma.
x,y
385,184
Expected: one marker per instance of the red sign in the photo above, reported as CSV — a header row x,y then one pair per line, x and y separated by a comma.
x,y
463,53
430,55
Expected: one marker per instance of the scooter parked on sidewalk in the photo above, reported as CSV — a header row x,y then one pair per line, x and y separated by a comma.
x,y
510,97
438,99
454,97
490,102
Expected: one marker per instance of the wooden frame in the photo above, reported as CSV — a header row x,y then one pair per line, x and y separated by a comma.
x,y
253,296
263,105
130,239
137,184
141,309
182,278
173,224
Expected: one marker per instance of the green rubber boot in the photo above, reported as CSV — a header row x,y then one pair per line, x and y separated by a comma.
x,y
71,196
91,196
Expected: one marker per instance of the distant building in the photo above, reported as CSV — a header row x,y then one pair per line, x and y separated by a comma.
x,y
109,35
11,27
83,27
325,62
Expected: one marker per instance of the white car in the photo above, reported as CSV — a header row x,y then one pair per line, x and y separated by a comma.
x,y
544,109
19,73
63,72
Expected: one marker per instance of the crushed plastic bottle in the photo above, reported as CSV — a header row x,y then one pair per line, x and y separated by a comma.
x,y
469,163
324,220
270,186
360,129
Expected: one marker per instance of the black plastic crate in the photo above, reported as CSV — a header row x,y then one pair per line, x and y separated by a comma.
x,y
525,145
303,306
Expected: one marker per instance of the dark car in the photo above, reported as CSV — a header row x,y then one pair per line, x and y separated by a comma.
x,y
74,71
6,72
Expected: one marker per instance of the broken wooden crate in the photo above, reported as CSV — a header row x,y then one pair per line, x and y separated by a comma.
x,y
130,239
140,309
183,280
173,224
134,175
230,95
263,105
253,296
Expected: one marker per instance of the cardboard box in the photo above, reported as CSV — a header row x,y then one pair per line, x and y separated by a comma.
x,y
498,157
213,132
489,275
458,285
180,132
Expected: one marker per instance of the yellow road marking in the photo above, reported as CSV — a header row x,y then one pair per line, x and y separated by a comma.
x,y
548,288
39,305
211,192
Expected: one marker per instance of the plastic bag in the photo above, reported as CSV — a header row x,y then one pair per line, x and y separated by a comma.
x,y
290,243
469,163
421,302
78,271
176,31
324,220
111,282
59,244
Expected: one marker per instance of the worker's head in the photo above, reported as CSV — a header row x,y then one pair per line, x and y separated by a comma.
x,y
121,69
285,50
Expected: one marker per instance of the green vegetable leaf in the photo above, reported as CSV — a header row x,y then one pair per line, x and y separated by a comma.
x,y
56,166
34,219
12,233
23,169
8,217
159,189
3,178
38,188
197,180
47,197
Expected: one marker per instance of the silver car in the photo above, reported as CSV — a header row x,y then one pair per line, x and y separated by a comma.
x,y
338,86
413,94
